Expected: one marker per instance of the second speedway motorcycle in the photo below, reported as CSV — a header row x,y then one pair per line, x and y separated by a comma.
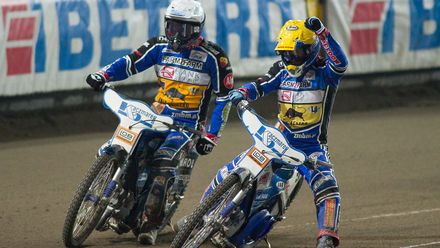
x,y
100,197
252,197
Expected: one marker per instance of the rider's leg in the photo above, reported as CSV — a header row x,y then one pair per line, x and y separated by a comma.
x,y
160,179
327,197
148,143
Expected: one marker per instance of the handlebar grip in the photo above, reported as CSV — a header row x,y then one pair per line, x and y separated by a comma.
x,y
186,128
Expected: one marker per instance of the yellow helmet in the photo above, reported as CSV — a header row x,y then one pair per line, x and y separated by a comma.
x,y
297,45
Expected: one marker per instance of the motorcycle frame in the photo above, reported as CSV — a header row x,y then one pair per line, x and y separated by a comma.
x,y
255,160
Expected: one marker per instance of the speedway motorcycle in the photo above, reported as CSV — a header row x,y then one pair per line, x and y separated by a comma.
x,y
100,198
252,197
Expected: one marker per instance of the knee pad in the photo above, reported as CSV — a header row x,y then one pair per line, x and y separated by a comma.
x,y
163,157
324,186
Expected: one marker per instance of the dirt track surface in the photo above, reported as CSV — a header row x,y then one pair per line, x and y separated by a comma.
x,y
387,165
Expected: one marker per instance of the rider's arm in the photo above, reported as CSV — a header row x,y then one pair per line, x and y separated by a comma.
x,y
219,115
265,84
139,60
222,82
337,60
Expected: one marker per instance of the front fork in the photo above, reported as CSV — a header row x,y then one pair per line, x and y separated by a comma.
x,y
108,196
114,182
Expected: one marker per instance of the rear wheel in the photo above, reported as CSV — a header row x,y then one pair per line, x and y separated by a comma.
x,y
87,206
204,220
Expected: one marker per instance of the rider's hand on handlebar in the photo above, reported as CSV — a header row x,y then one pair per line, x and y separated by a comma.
x,y
235,96
314,24
96,81
206,144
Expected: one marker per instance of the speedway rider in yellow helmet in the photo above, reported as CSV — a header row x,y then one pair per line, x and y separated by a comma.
x,y
306,83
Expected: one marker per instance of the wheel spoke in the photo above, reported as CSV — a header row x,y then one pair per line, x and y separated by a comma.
x,y
91,200
212,221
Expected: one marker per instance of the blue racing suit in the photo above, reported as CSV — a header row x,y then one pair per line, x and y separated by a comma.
x,y
186,82
305,105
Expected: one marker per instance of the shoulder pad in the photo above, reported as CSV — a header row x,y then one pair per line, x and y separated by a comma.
x,y
212,47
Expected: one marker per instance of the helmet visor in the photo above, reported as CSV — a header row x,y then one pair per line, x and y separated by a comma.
x,y
183,31
296,57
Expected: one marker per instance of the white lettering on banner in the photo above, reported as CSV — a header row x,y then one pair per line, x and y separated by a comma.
x,y
390,36
381,35
52,54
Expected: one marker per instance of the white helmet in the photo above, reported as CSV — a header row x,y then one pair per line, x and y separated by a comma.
x,y
184,21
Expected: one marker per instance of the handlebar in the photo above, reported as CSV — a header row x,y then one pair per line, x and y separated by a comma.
x,y
311,163
181,128
176,127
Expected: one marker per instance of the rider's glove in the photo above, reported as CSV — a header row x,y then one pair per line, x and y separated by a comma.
x,y
205,144
96,81
313,23
235,96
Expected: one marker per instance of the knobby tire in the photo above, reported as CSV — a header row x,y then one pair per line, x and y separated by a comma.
x,y
196,216
92,175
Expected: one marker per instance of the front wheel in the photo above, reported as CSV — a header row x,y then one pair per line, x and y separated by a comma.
x,y
87,206
204,220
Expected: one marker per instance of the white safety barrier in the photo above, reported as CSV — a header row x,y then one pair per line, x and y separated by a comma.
x,y
387,35
52,45
48,45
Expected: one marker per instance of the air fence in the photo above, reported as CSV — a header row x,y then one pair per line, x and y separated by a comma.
x,y
47,47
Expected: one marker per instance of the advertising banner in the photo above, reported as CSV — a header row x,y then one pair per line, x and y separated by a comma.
x,y
387,35
51,45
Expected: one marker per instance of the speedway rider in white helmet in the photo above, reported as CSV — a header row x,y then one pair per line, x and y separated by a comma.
x,y
189,69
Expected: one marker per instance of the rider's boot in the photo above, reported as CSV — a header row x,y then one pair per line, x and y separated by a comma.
x,y
119,226
179,224
148,238
326,242
154,205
